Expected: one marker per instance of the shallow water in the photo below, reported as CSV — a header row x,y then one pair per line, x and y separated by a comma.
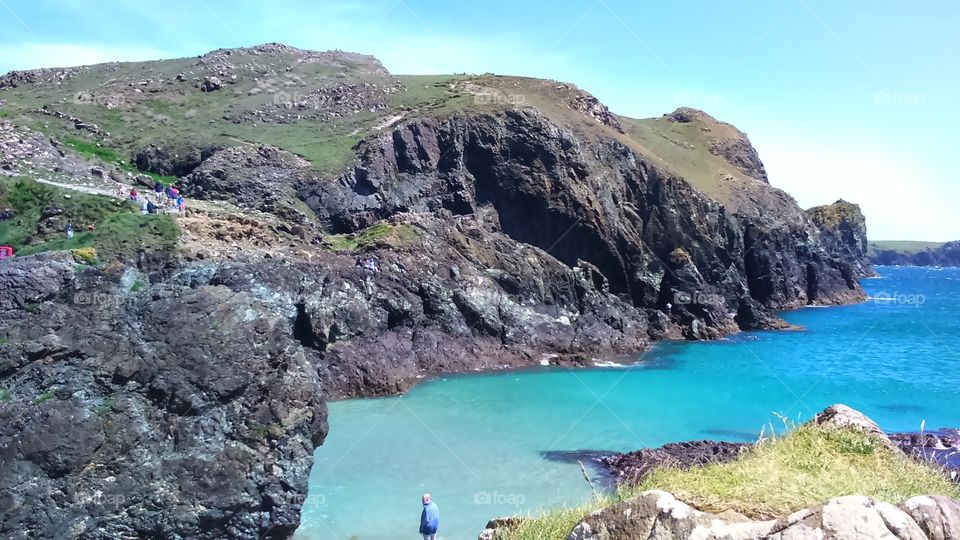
x,y
476,442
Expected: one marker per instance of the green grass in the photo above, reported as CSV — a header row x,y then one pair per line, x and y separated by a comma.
x,y
92,150
5,394
379,234
908,247
105,407
121,232
808,466
46,396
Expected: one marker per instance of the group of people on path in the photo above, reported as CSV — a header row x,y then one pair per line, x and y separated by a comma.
x,y
163,196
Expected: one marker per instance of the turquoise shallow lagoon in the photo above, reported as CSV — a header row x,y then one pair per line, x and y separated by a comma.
x,y
477,441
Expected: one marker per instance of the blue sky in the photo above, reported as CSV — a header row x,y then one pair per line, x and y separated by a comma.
x,y
854,99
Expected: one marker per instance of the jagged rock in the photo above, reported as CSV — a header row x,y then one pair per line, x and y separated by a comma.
x,y
938,516
631,468
490,531
842,416
211,84
542,185
182,412
658,515
178,158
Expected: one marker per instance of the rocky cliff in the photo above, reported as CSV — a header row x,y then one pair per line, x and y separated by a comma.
x,y
181,394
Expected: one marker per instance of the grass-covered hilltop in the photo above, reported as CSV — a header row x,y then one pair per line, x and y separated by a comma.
x,y
347,232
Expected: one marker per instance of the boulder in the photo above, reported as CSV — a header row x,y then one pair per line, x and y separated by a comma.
x,y
842,416
938,516
658,515
211,84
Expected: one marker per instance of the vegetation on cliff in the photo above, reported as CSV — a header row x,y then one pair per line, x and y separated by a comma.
x,y
779,475
38,214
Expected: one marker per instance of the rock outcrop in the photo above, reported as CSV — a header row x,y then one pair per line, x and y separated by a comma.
x,y
631,468
658,515
843,230
182,411
593,200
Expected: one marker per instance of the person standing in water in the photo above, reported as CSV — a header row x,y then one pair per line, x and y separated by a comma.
x,y
429,518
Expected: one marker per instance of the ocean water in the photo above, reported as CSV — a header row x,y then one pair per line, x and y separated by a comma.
x,y
477,442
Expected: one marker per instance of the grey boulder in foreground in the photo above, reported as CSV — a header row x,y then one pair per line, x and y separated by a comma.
x,y
658,515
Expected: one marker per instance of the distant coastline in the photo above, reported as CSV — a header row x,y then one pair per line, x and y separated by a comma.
x,y
911,253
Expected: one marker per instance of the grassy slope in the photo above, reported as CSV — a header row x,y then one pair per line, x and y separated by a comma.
x,y
908,247
174,111
802,469
167,110
120,232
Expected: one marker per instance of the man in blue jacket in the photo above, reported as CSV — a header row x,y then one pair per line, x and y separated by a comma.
x,y
429,518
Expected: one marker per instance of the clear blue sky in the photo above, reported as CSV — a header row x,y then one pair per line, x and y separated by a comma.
x,y
843,98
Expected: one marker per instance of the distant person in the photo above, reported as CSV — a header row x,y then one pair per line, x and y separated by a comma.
x,y
669,308
158,189
429,518
145,206
68,230
151,208
181,205
134,194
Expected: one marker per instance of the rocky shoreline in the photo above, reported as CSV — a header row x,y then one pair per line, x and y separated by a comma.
x,y
657,514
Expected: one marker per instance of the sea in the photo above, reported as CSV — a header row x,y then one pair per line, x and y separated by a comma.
x,y
493,444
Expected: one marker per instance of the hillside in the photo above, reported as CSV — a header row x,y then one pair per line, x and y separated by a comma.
x,y
348,232
911,253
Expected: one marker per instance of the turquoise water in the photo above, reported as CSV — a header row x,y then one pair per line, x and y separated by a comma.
x,y
475,442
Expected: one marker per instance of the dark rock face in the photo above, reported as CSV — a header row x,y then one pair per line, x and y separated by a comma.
x,y
175,412
843,230
945,255
593,201
941,447
257,178
631,468
175,159
191,407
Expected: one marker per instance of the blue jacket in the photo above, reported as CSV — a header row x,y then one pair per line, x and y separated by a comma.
x,y
429,518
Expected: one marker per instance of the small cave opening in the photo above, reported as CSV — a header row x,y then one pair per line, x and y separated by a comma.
x,y
302,329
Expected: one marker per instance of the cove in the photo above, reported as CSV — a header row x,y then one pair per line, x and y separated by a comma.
x,y
478,442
